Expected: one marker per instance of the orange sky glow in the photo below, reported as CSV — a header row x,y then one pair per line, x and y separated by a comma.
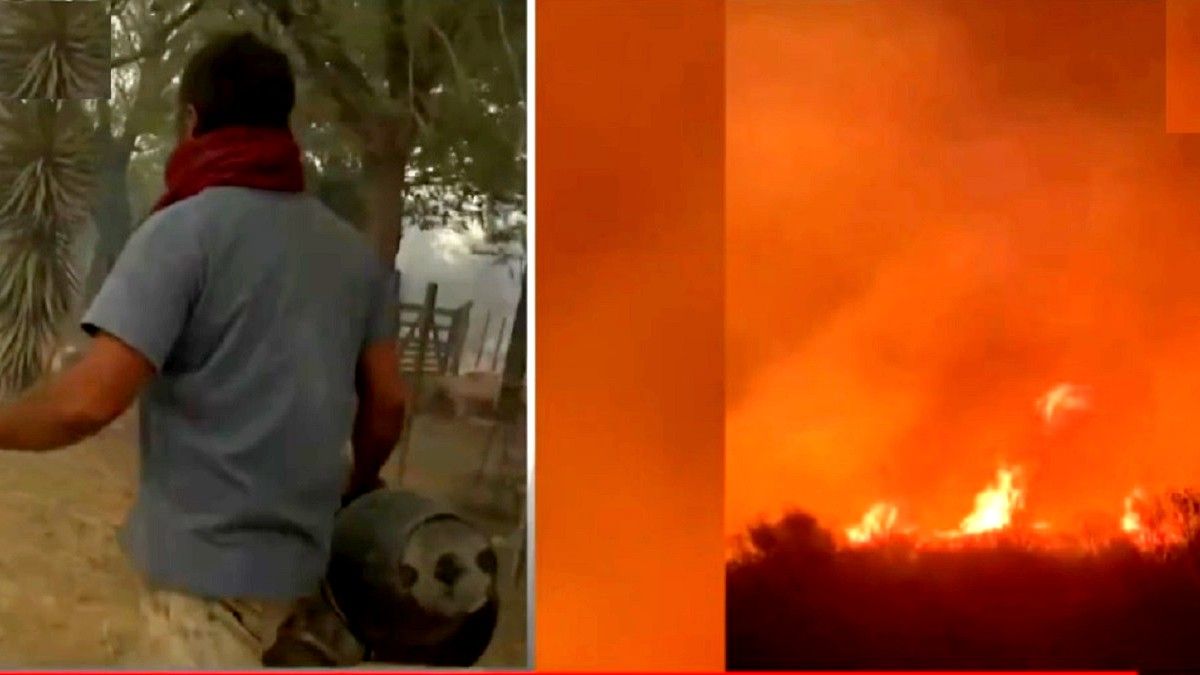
x,y
936,212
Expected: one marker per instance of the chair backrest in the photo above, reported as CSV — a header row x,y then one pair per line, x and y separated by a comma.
x,y
432,344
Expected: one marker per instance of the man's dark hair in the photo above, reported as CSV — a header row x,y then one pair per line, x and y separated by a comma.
x,y
238,80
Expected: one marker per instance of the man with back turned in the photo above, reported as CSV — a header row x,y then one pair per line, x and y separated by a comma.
x,y
259,332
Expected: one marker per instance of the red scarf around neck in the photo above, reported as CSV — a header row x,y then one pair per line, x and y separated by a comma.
x,y
263,159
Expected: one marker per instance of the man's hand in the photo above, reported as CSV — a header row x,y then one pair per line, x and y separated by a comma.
x,y
359,487
79,402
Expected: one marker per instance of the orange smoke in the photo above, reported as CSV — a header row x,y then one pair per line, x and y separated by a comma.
x,y
935,209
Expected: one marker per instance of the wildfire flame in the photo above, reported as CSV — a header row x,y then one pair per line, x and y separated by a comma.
x,y
995,505
1149,523
876,523
1160,522
1131,521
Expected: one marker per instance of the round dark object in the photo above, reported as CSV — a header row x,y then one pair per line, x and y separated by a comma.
x,y
415,582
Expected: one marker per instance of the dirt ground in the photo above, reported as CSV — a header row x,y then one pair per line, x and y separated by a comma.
x,y
67,596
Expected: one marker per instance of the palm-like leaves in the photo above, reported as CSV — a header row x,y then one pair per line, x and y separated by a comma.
x,y
46,173
46,162
37,285
54,49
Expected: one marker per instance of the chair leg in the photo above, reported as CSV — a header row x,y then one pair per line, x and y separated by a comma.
x,y
488,442
519,568
400,459
503,460
514,449
521,550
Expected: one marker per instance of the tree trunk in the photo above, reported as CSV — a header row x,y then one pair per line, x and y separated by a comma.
x,y
113,213
513,378
384,201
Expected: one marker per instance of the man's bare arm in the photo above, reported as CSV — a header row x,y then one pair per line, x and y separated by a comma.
x,y
79,402
380,418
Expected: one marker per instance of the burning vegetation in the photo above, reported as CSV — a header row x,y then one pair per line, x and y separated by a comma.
x,y
1150,523
796,600
962,262
999,591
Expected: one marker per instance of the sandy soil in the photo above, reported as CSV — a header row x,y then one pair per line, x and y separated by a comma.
x,y
67,596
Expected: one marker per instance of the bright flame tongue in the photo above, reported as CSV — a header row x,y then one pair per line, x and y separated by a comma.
x,y
1148,522
995,505
1131,522
994,510
1157,522
1151,523
878,521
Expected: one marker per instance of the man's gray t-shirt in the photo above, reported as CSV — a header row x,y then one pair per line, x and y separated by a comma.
x,y
254,307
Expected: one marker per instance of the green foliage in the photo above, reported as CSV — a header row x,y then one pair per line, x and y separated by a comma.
x,y
475,134
446,77
436,84
152,41
54,50
456,67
